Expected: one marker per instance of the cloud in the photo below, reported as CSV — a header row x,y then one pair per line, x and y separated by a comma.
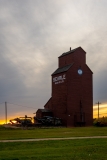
x,y
34,33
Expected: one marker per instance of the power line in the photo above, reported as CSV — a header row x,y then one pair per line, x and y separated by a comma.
x,y
20,105
6,111
100,114
2,102
98,108
103,113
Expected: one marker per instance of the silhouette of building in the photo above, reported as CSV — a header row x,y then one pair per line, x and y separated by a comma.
x,y
72,90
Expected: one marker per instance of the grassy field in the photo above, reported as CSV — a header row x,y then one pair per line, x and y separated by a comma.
x,y
81,149
85,149
8,133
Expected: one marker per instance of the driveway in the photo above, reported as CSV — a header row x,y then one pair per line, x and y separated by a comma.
x,y
47,139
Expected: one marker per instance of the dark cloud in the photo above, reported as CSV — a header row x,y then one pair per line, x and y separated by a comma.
x,y
100,86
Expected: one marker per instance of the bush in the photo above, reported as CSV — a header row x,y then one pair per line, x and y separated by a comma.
x,y
101,122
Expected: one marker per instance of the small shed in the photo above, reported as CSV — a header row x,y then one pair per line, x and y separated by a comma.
x,y
43,112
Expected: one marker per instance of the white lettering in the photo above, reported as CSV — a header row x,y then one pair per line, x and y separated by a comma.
x,y
59,79
64,76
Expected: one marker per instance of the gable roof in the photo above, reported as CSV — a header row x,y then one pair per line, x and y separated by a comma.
x,y
44,110
47,102
71,51
89,69
63,69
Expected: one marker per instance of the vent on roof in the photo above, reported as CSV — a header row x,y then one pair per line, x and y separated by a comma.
x,y
70,48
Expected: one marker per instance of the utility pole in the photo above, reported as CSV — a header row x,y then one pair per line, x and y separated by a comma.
x,y
98,108
6,111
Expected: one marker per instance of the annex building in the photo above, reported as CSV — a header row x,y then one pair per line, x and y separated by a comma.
x,y
72,90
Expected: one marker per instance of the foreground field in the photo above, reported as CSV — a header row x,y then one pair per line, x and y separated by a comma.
x,y
81,149
85,149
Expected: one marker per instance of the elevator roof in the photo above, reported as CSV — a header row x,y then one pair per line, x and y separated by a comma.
x,y
63,69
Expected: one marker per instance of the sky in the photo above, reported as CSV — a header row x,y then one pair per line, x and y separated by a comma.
x,y
33,33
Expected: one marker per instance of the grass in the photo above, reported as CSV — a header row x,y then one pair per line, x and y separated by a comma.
x,y
8,133
80,149
85,149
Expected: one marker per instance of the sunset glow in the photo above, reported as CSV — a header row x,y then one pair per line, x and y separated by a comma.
x,y
3,120
102,110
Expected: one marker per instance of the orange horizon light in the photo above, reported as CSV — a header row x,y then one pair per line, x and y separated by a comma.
x,y
102,112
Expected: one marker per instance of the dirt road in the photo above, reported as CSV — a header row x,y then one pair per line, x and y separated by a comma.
x,y
47,139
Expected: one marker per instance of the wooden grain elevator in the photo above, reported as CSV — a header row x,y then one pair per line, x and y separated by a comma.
x,y
72,90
